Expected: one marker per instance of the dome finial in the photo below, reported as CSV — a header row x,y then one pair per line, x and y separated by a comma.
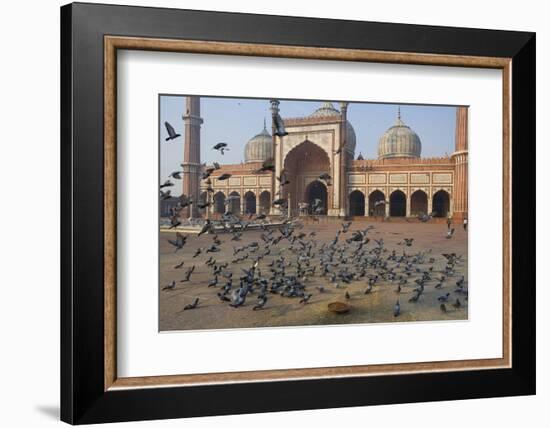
x,y
264,125
398,112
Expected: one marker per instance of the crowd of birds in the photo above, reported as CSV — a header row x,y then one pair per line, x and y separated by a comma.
x,y
289,262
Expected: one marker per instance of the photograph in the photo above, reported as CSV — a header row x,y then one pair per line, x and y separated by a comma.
x,y
281,212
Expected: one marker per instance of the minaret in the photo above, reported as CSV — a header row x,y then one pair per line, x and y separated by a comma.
x,y
276,159
192,154
460,157
343,159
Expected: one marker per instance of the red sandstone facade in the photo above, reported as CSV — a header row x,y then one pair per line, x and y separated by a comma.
x,y
324,143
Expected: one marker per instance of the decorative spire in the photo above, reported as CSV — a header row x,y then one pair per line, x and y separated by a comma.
x,y
265,129
399,122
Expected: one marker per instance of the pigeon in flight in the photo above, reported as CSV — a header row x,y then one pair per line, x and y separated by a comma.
x,y
221,147
279,126
171,132
267,165
224,177
176,175
207,228
380,202
179,242
167,183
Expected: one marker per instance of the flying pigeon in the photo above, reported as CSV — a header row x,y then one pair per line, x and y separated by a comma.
x,y
221,147
171,132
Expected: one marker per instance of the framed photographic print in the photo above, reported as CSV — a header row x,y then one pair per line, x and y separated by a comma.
x,y
274,213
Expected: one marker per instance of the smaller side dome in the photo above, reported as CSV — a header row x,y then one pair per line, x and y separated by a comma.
x,y
259,147
399,141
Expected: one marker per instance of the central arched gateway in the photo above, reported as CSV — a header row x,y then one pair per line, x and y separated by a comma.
x,y
317,191
302,167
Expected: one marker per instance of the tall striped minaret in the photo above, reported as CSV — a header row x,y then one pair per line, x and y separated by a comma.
x,y
460,157
192,153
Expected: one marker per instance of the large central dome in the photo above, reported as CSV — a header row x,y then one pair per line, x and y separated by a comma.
x,y
327,109
259,147
399,141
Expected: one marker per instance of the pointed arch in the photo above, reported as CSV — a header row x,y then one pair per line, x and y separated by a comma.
x,y
234,206
249,203
357,203
317,191
219,202
398,204
376,208
419,203
441,203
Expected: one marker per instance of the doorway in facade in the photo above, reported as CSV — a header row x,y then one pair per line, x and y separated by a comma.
x,y
441,204
398,204
419,203
377,206
265,202
356,203
219,203
317,191
249,203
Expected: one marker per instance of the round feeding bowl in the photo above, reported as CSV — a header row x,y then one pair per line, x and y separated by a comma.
x,y
339,307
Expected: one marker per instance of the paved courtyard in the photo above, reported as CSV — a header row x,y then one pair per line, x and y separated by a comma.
x,y
377,306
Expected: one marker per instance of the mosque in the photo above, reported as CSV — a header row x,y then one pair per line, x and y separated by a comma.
x,y
399,183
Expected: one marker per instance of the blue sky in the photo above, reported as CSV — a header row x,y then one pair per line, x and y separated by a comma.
x,y
236,120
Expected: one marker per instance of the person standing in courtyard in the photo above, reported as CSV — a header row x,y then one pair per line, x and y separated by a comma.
x,y
465,224
448,222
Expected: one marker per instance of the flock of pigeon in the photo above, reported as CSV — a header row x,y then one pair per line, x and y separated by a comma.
x,y
289,262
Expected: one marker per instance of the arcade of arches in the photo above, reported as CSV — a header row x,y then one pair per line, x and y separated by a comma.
x,y
249,204
398,205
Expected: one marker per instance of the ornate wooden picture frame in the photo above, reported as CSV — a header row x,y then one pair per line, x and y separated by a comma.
x,y
91,390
